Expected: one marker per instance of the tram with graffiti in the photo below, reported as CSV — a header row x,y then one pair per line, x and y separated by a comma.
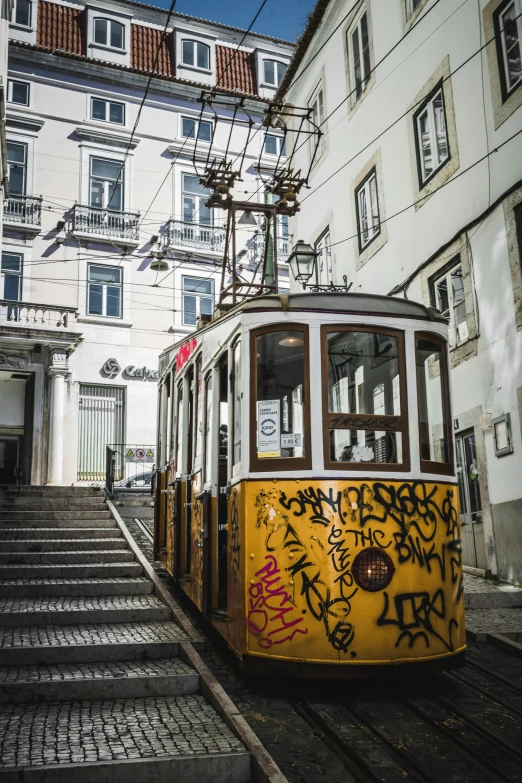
x,y
306,496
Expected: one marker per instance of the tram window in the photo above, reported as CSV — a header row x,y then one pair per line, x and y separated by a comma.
x,y
433,395
365,397
237,392
208,428
280,416
199,415
179,429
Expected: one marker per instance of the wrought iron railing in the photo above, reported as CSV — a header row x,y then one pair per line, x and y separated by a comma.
x,y
196,236
25,314
23,210
256,248
129,467
105,222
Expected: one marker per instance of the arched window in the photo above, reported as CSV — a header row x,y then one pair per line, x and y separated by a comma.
x,y
107,32
273,72
195,54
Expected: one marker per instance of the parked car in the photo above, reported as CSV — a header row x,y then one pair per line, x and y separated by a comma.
x,y
140,481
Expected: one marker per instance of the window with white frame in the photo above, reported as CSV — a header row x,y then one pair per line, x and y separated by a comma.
x,y
274,145
412,5
196,54
447,295
273,72
108,111
509,31
359,49
189,127
17,167
104,290
367,207
108,32
194,198
106,184
11,274
317,118
18,92
431,136
22,13
324,258
198,299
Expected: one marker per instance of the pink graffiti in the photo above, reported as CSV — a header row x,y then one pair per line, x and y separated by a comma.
x,y
270,604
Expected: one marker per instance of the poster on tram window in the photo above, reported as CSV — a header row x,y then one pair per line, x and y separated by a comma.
x,y
268,429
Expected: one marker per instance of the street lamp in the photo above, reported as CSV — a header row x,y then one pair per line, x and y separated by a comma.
x,y
302,261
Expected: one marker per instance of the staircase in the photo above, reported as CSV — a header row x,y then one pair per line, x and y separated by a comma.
x,y
91,686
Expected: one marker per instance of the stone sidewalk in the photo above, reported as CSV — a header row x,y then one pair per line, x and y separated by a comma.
x,y
492,607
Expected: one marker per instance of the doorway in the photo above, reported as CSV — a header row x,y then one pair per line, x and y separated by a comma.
x,y
472,525
16,423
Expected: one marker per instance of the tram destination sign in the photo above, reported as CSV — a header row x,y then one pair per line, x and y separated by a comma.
x,y
268,429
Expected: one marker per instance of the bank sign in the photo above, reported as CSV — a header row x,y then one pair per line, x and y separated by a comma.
x,y
111,368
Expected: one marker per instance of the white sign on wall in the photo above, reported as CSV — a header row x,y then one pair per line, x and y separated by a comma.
x,y
268,429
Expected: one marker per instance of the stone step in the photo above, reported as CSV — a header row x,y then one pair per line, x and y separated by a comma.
x,y
130,585
27,516
52,503
66,558
72,610
16,490
63,544
161,739
112,680
56,533
63,523
80,570
42,645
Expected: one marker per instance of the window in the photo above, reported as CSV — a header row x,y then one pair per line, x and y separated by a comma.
x,y
195,54
11,269
107,111
365,398
208,428
433,400
509,31
106,184
431,136
17,167
194,198
273,72
412,5
317,118
188,129
367,208
198,299
359,48
104,291
280,409
18,92
199,414
236,407
274,145
22,12
447,293
324,259
107,32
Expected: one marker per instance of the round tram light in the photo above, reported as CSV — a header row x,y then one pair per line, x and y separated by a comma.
x,y
373,569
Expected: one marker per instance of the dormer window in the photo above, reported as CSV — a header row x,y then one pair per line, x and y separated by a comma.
x,y
22,13
273,72
195,54
109,33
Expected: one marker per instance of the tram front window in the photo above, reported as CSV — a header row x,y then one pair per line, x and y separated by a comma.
x,y
280,394
365,417
432,388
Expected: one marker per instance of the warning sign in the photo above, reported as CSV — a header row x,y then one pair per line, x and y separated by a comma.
x,y
140,454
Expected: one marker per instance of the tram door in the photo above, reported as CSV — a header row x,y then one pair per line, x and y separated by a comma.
x,y
472,527
222,516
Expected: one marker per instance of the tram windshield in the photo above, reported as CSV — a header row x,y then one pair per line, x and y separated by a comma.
x,y
433,393
280,379
364,390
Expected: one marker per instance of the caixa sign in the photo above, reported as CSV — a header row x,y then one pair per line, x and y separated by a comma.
x,y
111,368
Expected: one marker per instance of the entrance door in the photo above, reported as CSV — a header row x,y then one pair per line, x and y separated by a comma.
x,y
472,526
9,459
16,422
101,419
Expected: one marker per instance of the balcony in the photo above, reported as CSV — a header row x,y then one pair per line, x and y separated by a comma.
x,y
195,236
24,314
256,248
24,213
106,225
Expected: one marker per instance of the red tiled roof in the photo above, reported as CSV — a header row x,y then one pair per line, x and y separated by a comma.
x,y
144,45
60,27
240,74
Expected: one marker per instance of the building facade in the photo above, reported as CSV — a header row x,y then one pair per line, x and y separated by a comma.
x,y
417,192
109,253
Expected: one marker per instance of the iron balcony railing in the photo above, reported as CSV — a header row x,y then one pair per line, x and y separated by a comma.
x,y
256,248
196,236
105,222
23,210
23,314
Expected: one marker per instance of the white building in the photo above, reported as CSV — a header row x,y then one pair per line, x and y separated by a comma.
x,y
97,185
417,191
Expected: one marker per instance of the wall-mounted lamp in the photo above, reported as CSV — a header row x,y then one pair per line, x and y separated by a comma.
x,y
302,261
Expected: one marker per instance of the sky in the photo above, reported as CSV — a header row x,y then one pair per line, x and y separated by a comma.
x,y
279,18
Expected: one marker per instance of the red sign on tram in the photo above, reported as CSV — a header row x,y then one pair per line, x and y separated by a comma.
x,y
185,352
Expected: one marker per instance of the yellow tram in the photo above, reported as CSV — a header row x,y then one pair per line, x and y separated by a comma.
x,y
306,499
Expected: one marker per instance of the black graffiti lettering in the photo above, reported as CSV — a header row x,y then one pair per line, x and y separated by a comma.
x,y
315,500
412,638
416,610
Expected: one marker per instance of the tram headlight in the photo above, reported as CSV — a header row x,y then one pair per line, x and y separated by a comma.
x,y
372,569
